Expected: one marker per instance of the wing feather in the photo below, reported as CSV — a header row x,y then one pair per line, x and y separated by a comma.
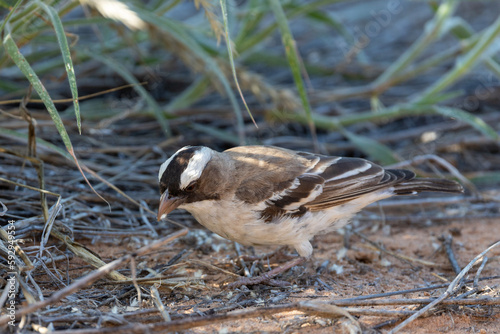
x,y
292,183
354,179
329,181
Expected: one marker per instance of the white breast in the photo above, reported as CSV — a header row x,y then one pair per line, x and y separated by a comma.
x,y
240,222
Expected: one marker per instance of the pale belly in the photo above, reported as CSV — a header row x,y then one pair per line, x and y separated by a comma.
x,y
239,222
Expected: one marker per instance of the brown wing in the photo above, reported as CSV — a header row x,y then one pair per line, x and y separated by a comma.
x,y
349,178
292,183
266,171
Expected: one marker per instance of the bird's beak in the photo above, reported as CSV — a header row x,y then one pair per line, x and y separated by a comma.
x,y
167,205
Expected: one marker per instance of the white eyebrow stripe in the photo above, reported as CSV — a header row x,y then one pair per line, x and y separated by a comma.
x,y
195,166
351,172
164,165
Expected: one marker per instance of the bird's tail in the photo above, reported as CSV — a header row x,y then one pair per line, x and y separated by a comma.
x,y
414,186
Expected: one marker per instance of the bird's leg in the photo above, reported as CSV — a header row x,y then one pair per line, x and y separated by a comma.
x,y
268,276
278,253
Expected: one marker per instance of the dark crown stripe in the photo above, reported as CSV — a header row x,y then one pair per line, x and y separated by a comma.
x,y
171,178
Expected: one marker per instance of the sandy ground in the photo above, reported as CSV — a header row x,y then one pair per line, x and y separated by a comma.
x,y
333,273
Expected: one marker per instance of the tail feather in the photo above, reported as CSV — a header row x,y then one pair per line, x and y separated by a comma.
x,y
419,185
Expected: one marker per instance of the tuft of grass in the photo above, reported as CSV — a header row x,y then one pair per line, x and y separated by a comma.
x,y
294,62
64,39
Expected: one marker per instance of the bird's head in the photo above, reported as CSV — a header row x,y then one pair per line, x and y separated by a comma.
x,y
191,174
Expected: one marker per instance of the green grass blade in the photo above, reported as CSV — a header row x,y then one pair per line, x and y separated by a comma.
x,y
247,41
190,95
467,63
8,133
66,55
250,21
21,62
399,111
179,33
11,86
433,61
293,61
231,58
485,178
129,77
12,11
27,24
164,6
466,117
493,66
372,148
431,32
216,133
446,96
335,123
24,66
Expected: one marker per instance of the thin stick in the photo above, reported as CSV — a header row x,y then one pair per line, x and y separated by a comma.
x,y
80,98
413,301
448,241
476,278
267,275
140,315
312,308
155,295
210,266
447,293
402,292
133,270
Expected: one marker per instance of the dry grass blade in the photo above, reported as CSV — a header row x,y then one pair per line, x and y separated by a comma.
x,y
210,266
231,58
39,168
86,255
215,24
25,264
80,98
159,305
4,209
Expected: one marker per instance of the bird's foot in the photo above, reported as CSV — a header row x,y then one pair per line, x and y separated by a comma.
x,y
268,277
277,254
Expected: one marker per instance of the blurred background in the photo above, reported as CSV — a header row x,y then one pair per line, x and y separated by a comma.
x,y
387,80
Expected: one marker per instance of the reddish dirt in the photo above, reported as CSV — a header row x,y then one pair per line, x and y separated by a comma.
x,y
364,271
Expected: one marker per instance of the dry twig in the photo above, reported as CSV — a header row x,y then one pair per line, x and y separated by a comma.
x,y
447,293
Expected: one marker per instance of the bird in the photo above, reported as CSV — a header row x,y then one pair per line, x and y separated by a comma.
x,y
267,195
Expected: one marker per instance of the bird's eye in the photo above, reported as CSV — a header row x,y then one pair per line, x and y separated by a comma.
x,y
191,187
